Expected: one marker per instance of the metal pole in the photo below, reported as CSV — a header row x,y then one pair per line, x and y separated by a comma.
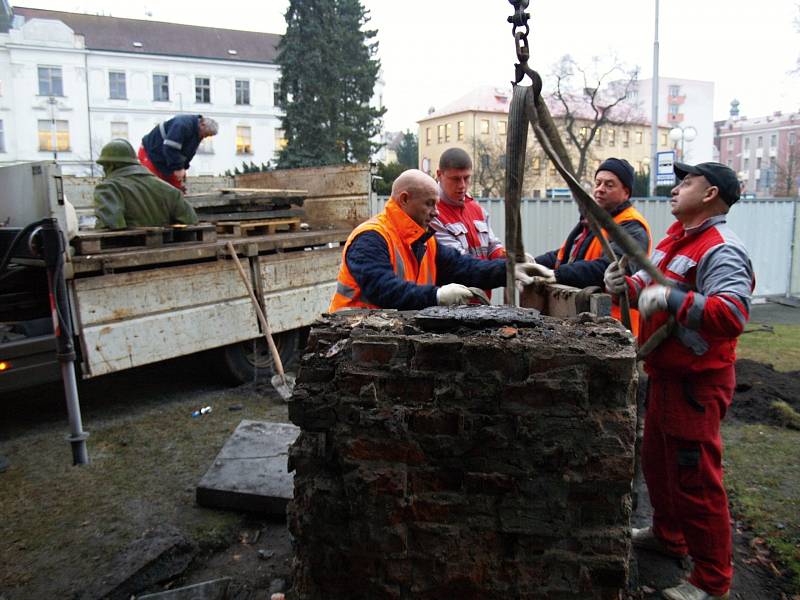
x,y
51,248
654,125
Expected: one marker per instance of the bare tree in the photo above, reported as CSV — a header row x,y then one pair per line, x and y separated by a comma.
x,y
489,170
788,172
588,99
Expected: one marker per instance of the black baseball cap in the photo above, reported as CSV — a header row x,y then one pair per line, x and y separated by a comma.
x,y
716,174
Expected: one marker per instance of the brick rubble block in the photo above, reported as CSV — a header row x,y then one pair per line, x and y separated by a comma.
x,y
446,454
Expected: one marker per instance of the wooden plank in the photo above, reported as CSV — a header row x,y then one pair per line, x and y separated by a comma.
x,y
277,193
262,227
247,214
157,257
265,199
96,242
298,269
344,211
336,180
121,296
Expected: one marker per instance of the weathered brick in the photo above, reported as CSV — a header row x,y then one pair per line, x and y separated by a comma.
x,y
370,352
441,353
421,481
436,422
386,450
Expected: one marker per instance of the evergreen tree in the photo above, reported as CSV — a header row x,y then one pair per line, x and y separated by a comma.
x,y
328,74
408,150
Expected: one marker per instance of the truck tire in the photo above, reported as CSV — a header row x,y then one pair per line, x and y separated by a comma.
x,y
251,360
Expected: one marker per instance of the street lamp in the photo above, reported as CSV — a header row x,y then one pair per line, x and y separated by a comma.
x,y
682,135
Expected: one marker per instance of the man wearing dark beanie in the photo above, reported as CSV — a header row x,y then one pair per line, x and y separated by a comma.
x,y
580,261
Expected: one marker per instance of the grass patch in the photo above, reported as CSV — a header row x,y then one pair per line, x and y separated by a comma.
x,y
763,480
780,348
144,469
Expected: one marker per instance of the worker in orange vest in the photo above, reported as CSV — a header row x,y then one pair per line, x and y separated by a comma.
x,y
580,261
394,261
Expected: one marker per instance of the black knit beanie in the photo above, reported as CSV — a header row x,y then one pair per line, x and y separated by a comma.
x,y
621,168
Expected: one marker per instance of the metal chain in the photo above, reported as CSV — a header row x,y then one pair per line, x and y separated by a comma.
x,y
520,30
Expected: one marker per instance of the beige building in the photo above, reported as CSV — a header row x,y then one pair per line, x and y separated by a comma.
x,y
478,122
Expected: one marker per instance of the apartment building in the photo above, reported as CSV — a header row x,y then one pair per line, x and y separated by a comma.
x,y
686,106
764,151
478,123
71,82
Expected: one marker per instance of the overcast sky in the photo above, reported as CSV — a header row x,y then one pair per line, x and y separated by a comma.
x,y
434,51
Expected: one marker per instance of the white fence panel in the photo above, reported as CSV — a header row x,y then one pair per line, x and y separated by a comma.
x,y
766,226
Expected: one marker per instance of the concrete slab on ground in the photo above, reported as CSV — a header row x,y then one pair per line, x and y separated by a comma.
x,y
250,472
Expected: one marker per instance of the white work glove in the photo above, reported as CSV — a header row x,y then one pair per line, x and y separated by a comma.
x,y
453,293
614,278
652,299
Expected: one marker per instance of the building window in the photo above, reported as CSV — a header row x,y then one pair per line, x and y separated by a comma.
x,y
427,136
119,129
2,136
50,81
639,137
280,140
626,138
758,163
598,137
730,144
674,90
448,132
276,93
612,137
440,133
116,85
583,133
484,126
759,142
664,139
502,127
202,90
730,163
536,164
53,138
792,138
206,146
746,144
161,88
773,140
552,170
746,164
673,110
243,141
242,91
460,130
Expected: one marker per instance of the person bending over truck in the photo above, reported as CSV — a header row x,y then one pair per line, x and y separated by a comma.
x,y
692,377
170,146
394,261
131,196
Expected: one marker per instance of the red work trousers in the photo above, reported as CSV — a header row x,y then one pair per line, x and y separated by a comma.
x,y
170,179
682,465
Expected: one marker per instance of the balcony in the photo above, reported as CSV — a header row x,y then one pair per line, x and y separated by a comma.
x,y
676,99
675,118
759,153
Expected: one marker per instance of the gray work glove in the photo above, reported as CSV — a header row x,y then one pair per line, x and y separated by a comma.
x,y
653,299
453,293
614,278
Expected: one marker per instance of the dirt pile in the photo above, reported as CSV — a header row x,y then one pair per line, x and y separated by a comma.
x,y
758,387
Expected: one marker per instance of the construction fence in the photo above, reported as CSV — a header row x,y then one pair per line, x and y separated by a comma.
x,y
768,227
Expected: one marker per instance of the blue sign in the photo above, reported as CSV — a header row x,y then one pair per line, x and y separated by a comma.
x,y
665,163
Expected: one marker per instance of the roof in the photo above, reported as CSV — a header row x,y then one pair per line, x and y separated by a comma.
x,y
498,100
114,34
774,121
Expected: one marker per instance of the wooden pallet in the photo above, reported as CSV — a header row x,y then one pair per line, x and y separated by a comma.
x,y
251,228
98,242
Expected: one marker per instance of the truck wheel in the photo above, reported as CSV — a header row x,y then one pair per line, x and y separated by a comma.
x,y
251,360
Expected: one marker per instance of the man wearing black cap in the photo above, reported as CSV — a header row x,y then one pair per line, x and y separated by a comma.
x,y
580,261
692,375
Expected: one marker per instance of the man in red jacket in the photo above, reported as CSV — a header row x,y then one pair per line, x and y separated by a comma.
x,y
692,375
462,224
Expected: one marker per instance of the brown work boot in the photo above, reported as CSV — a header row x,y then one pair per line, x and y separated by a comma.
x,y
646,539
686,591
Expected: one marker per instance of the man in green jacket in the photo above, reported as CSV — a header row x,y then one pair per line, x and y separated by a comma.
x,y
131,196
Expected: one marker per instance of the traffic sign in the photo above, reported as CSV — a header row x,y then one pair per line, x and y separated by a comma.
x,y
665,174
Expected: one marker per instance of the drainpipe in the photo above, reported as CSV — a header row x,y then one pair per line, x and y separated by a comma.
x,y
793,249
88,111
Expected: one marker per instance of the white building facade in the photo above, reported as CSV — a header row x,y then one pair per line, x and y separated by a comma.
x,y
69,83
683,104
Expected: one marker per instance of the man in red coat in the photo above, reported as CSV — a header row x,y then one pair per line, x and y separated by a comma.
x,y
691,374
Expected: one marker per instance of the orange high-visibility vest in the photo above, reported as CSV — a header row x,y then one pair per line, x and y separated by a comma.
x,y
399,231
595,250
